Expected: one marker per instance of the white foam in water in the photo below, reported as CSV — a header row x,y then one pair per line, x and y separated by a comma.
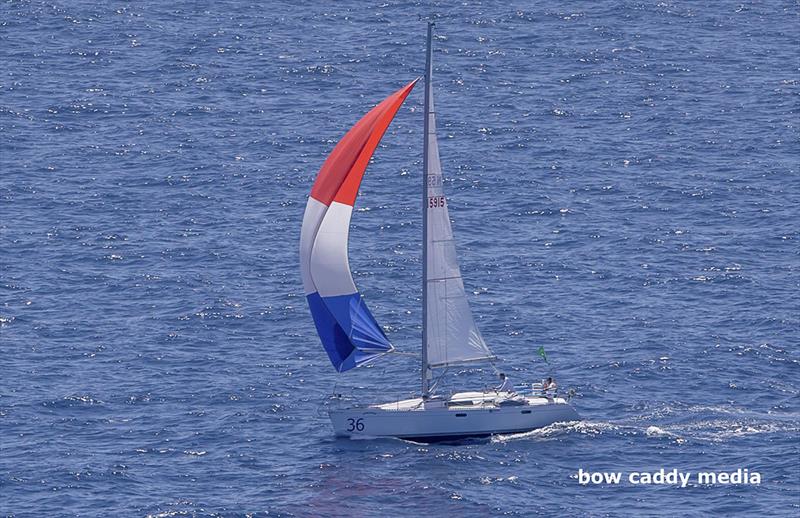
x,y
558,429
655,431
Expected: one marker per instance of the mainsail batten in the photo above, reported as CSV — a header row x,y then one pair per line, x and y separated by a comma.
x,y
349,333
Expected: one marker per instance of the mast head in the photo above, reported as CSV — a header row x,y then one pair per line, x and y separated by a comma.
x,y
431,23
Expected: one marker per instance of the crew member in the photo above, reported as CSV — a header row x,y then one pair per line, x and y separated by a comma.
x,y
505,384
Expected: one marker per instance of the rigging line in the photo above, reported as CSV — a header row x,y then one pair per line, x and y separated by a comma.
x,y
436,383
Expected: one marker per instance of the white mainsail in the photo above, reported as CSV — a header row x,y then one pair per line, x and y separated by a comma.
x,y
451,336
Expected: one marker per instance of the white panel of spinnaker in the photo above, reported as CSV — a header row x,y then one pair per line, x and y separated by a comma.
x,y
329,265
315,211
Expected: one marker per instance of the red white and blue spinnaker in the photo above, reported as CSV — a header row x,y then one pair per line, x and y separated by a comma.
x,y
347,329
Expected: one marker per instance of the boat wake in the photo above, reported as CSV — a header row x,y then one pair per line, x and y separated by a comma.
x,y
561,429
723,430
730,426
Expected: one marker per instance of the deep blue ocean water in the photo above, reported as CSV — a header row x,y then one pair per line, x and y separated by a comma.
x,y
623,180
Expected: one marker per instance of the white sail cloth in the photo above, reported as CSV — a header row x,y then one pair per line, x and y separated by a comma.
x,y
452,336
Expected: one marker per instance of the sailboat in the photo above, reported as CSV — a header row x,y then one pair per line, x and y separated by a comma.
x,y
349,332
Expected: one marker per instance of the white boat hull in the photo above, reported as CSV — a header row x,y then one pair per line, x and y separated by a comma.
x,y
441,421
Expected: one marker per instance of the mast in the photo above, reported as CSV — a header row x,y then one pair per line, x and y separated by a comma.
x,y
426,131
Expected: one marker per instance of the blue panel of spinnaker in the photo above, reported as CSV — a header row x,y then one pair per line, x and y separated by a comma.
x,y
349,333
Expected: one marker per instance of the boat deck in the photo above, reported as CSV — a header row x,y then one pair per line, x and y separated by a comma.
x,y
470,401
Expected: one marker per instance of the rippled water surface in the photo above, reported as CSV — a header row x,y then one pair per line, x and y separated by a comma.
x,y
623,180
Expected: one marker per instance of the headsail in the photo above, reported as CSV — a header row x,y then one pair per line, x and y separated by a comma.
x,y
347,329
451,334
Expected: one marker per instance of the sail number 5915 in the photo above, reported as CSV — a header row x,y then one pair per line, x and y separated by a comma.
x,y
435,201
355,425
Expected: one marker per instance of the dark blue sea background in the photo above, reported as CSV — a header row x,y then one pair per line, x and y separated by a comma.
x,y
623,182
